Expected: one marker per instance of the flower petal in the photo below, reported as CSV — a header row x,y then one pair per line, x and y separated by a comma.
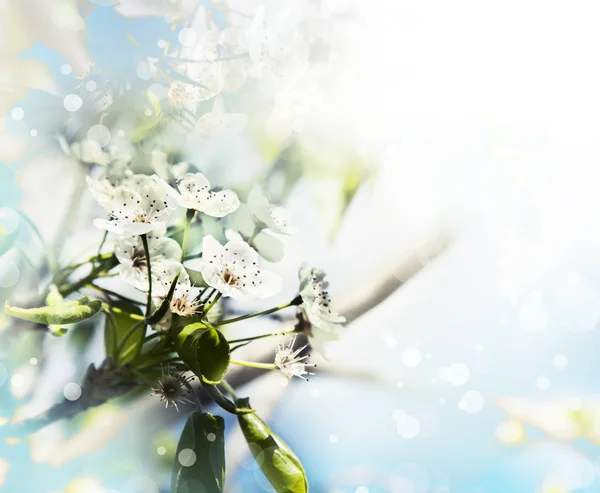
x,y
219,204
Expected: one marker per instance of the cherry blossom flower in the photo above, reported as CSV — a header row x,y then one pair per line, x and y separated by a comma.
x,y
138,207
273,217
322,325
289,361
164,262
234,270
186,298
195,193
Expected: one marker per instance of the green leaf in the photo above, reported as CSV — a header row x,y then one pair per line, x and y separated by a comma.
x,y
204,434
66,312
205,350
120,312
278,463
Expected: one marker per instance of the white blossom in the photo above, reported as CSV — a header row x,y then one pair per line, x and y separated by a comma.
x,y
324,326
194,193
277,48
217,124
186,298
273,217
139,206
289,361
234,270
164,262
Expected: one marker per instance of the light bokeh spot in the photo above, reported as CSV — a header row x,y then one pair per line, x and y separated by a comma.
x,y
187,457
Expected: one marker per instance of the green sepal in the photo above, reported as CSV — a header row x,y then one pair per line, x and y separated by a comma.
x,y
65,312
207,473
278,463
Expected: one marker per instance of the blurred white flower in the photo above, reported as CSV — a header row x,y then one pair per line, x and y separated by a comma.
x,y
160,165
324,326
138,207
91,151
273,217
562,418
234,270
287,360
186,298
217,124
164,262
277,48
194,193
101,189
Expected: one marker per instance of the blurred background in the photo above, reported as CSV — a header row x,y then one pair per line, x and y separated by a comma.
x,y
439,161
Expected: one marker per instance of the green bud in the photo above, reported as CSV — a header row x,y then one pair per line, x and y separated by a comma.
x,y
278,463
64,312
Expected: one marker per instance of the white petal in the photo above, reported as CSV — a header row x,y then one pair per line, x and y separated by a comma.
x,y
102,191
133,228
163,248
169,190
211,248
239,252
210,267
219,204
268,285
126,247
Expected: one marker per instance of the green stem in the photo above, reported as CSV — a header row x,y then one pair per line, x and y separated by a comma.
x,y
248,339
108,292
147,250
252,364
227,386
189,215
252,315
71,288
99,254
213,302
47,250
153,336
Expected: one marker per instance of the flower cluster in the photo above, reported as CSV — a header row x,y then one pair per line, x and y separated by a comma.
x,y
140,208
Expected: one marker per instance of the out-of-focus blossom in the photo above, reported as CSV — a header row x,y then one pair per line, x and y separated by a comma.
x,y
564,419
277,48
273,217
